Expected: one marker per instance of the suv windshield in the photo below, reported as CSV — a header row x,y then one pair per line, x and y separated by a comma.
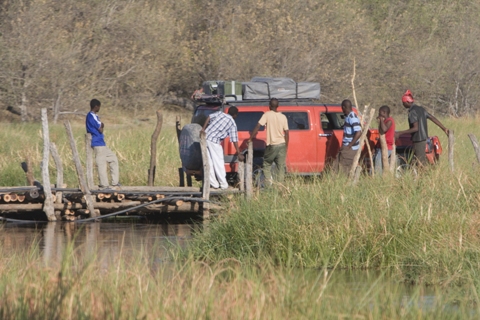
x,y
201,114
246,121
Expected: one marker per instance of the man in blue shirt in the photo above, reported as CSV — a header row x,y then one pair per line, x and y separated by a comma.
x,y
351,135
103,154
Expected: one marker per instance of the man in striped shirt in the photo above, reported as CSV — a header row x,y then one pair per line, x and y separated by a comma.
x,y
220,125
351,135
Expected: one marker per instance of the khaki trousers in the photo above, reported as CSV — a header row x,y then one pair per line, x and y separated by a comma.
x,y
345,160
104,155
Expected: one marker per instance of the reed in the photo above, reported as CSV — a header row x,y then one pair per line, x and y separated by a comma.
x,y
135,286
128,138
424,228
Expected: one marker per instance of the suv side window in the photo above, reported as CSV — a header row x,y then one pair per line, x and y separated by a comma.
x,y
246,121
297,120
332,120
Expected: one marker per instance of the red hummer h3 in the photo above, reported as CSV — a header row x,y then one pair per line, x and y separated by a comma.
x,y
315,134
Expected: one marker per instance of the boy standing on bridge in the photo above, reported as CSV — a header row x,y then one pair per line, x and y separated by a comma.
x,y
103,154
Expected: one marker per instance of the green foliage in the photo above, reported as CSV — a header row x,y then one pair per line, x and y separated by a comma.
x,y
133,53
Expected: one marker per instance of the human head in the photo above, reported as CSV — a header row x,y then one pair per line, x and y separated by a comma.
x,y
95,105
273,104
233,111
407,99
384,111
346,106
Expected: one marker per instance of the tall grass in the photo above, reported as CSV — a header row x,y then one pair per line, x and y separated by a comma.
x,y
135,288
129,138
424,228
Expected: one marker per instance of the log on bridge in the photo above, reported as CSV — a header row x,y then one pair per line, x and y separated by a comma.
x,y
73,206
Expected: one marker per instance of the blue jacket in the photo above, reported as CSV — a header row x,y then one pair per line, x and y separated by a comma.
x,y
93,125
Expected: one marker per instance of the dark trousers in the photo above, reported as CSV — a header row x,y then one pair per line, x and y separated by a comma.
x,y
275,154
419,149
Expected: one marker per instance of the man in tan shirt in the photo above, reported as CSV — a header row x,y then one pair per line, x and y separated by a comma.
x,y
277,141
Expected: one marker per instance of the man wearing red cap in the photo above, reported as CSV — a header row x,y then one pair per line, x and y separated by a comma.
x,y
417,121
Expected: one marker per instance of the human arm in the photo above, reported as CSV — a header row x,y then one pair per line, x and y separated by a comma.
x,y
354,139
241,157
254,132
287,138
413,129
101,127
382,125
438,123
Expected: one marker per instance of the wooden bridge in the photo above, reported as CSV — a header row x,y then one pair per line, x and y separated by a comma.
x,y
88,203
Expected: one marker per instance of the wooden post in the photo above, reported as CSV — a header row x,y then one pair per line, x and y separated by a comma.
x,y
358,171
178,128
475,144
89,164
80,174
27,168
153,148
383,145
362,140
369,150
393,159
249,172
451,142
59,166
206,175
241,175
48,204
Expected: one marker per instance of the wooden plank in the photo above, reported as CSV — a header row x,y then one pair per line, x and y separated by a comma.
x,y
241,175
153,149
206,175
59,166
249,172
393,159
48,203
80,174
383,145
89,163
475,144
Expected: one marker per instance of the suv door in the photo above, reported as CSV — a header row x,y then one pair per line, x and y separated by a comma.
x,y
302,147
332,121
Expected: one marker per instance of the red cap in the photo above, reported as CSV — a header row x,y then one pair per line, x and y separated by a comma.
x,y
407,97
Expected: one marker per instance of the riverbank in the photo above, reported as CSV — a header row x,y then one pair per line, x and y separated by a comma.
x,y
136,284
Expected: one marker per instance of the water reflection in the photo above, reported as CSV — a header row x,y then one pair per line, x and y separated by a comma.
x,y
106,241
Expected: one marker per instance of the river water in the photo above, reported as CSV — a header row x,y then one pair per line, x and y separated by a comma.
x,y
109,241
